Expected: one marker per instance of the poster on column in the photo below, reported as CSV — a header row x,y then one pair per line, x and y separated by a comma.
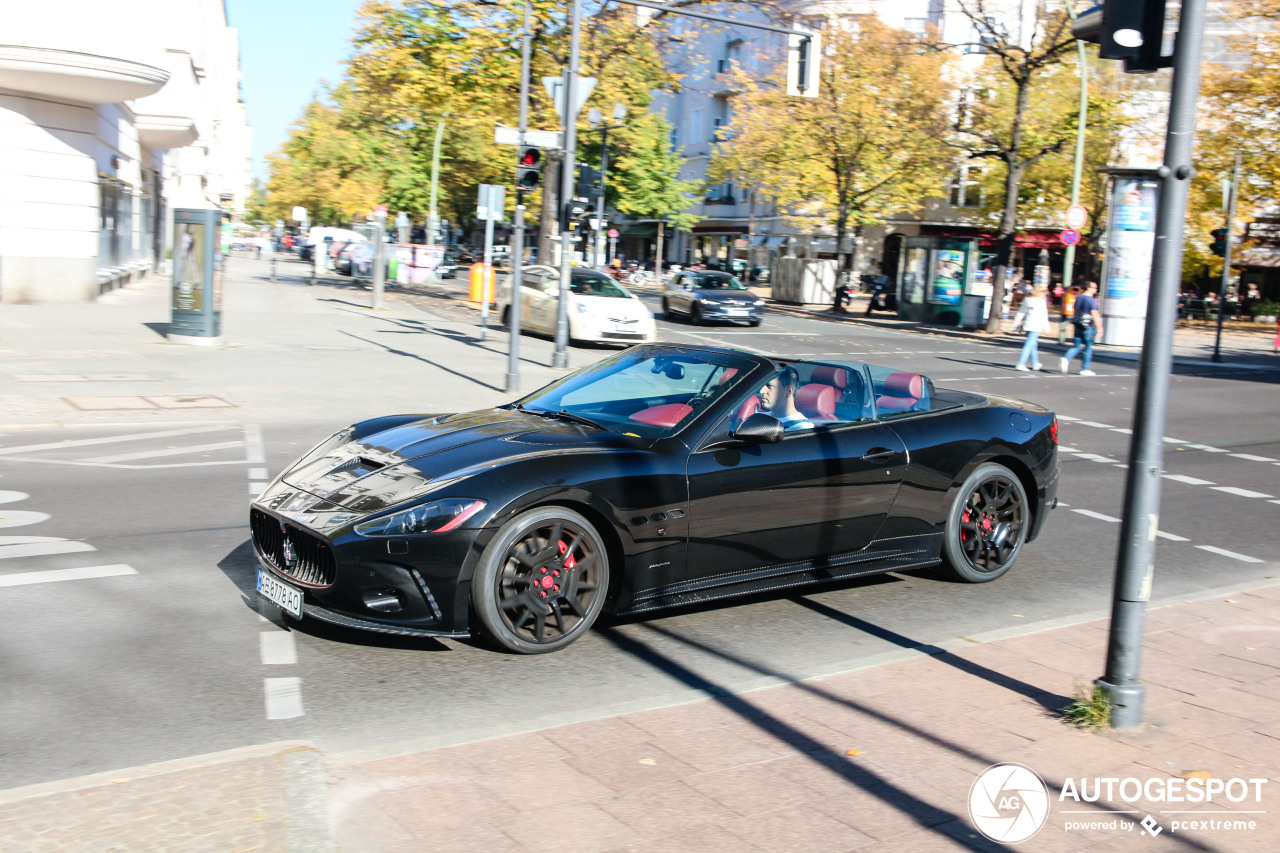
x,y
1127,269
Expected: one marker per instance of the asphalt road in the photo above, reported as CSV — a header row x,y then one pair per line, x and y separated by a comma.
x,y
165,654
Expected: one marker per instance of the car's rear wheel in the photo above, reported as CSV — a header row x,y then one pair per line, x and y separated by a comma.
x,y
506,318
666,308
987,525
695,314
542,581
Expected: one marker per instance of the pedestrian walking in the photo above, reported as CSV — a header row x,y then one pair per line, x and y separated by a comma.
x,y
1275,347
1033,318
1087,320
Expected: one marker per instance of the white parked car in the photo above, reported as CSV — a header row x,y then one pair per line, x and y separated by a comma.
x,y
599,309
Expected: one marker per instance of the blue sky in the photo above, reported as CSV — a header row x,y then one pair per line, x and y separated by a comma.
x,y
286,48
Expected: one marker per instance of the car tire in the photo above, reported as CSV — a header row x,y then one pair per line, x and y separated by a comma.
x,y
695,315
506,318
754,323
515,593
666,309
987,525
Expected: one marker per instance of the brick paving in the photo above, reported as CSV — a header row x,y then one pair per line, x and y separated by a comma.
x,y
877,760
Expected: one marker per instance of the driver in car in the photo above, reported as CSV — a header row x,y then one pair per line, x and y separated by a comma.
x,y
778,398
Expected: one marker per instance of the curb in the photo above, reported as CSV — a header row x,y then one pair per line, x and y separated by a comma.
x,y
147,771
670,700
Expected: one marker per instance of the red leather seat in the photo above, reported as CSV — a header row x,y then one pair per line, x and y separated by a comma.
x,y
666,415
748,408
902,392
817,402
836,377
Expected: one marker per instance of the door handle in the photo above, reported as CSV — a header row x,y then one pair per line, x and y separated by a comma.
x,y
877,454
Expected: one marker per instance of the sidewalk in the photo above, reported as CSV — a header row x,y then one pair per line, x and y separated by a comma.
x,y
878,759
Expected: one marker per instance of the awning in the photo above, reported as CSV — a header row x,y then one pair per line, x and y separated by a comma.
x,y
775,242
640,229
1256,256
988,239
719,229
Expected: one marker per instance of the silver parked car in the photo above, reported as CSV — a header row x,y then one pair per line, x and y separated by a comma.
x,y
703,295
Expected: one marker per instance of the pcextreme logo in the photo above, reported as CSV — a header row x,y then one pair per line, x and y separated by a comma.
x,y
1008,803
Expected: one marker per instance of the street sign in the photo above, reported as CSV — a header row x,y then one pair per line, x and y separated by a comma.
x,y
1077,216
504,135
555,88
613,232
299,214
491,202
380,212
1069,237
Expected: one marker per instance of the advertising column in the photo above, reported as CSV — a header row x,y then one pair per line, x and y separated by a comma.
x,y
1126,276
197,277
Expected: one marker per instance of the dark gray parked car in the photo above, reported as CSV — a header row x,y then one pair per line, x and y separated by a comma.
x,y
703,295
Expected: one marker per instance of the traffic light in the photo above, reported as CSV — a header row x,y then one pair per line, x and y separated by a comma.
x,y
574,210
588,182
528,168
1219,244
1132,30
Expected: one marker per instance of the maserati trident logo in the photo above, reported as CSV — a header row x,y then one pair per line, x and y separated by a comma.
x,y
1008,803
290,553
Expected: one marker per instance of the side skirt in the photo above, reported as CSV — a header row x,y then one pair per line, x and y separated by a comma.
x,y
883,555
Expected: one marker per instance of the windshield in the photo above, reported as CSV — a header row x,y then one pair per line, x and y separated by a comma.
x,y
643,392
594,284
716,281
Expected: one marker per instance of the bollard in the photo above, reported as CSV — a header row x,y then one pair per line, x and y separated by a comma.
x,y
273,266
476,292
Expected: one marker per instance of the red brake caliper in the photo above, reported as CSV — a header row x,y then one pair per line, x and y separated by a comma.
x,y
570,562
965,519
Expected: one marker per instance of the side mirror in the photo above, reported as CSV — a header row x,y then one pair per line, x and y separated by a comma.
x,y
760,428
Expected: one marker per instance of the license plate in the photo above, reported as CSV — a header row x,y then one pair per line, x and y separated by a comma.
x,y
739,310
280,594
623,327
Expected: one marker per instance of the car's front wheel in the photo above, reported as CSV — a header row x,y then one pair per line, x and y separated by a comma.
x,y
987,525
695,314
541,582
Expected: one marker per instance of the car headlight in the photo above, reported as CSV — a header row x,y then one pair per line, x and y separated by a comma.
x,y
758,303
439,516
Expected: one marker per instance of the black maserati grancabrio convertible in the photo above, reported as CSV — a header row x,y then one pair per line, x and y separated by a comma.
x,y
664,475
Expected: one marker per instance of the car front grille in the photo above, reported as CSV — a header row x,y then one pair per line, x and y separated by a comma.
x,y
302,556
623,336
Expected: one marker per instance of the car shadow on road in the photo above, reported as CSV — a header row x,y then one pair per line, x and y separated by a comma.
x,y
241,568
417,357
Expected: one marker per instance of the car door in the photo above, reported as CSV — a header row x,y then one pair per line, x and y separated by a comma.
x,y
680,298
530,291
814,495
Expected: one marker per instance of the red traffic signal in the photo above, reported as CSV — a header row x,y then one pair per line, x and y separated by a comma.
x,y
528,168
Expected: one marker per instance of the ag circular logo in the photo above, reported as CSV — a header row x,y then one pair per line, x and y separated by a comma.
x,y
1008,803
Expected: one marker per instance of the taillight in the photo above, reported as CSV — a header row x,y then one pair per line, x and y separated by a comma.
x,y
1053,429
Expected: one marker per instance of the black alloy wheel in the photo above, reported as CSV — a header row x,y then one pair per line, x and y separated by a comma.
x,y
542,581
987,525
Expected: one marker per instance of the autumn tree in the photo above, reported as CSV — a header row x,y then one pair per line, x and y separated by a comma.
x,y
868,145
648,185
1004,118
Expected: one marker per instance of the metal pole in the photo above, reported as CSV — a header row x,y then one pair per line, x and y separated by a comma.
x,y
597,243
1226,259
488,272
379,259
1135,563
433,218
1069,256
517,236
560,358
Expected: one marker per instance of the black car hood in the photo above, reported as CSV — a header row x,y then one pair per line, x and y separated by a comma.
x,y
395,465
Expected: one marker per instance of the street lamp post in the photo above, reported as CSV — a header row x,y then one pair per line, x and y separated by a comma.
x,y
560,357
1069,256
593,118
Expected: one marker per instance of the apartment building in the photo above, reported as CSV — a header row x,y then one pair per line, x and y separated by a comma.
x,y
111,115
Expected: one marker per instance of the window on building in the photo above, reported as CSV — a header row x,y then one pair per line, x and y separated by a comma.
x,y
916,26
986,34
675,136
964,109
697,127
966,187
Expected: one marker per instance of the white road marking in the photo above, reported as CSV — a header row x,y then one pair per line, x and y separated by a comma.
x,y
1094,457
254,452
1096,424
258,474
1253,458
25,578
1174,440
1190,481
7,497
284,698
277,648
39,549
85,442
1208,449
257,488
16,518
168,451
716,342
1244,493
1067,418
1091,514
1232,554
1124,430
1171,537
1273,502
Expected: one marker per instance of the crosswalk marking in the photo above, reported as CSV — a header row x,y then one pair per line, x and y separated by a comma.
x,y
1232,554
1091,514
168,451
1190,481
86,442
277,648
1252,458
284,698
54,575
40,549
1244,493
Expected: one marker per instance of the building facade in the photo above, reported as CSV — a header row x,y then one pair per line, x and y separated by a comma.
x,y
111,115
